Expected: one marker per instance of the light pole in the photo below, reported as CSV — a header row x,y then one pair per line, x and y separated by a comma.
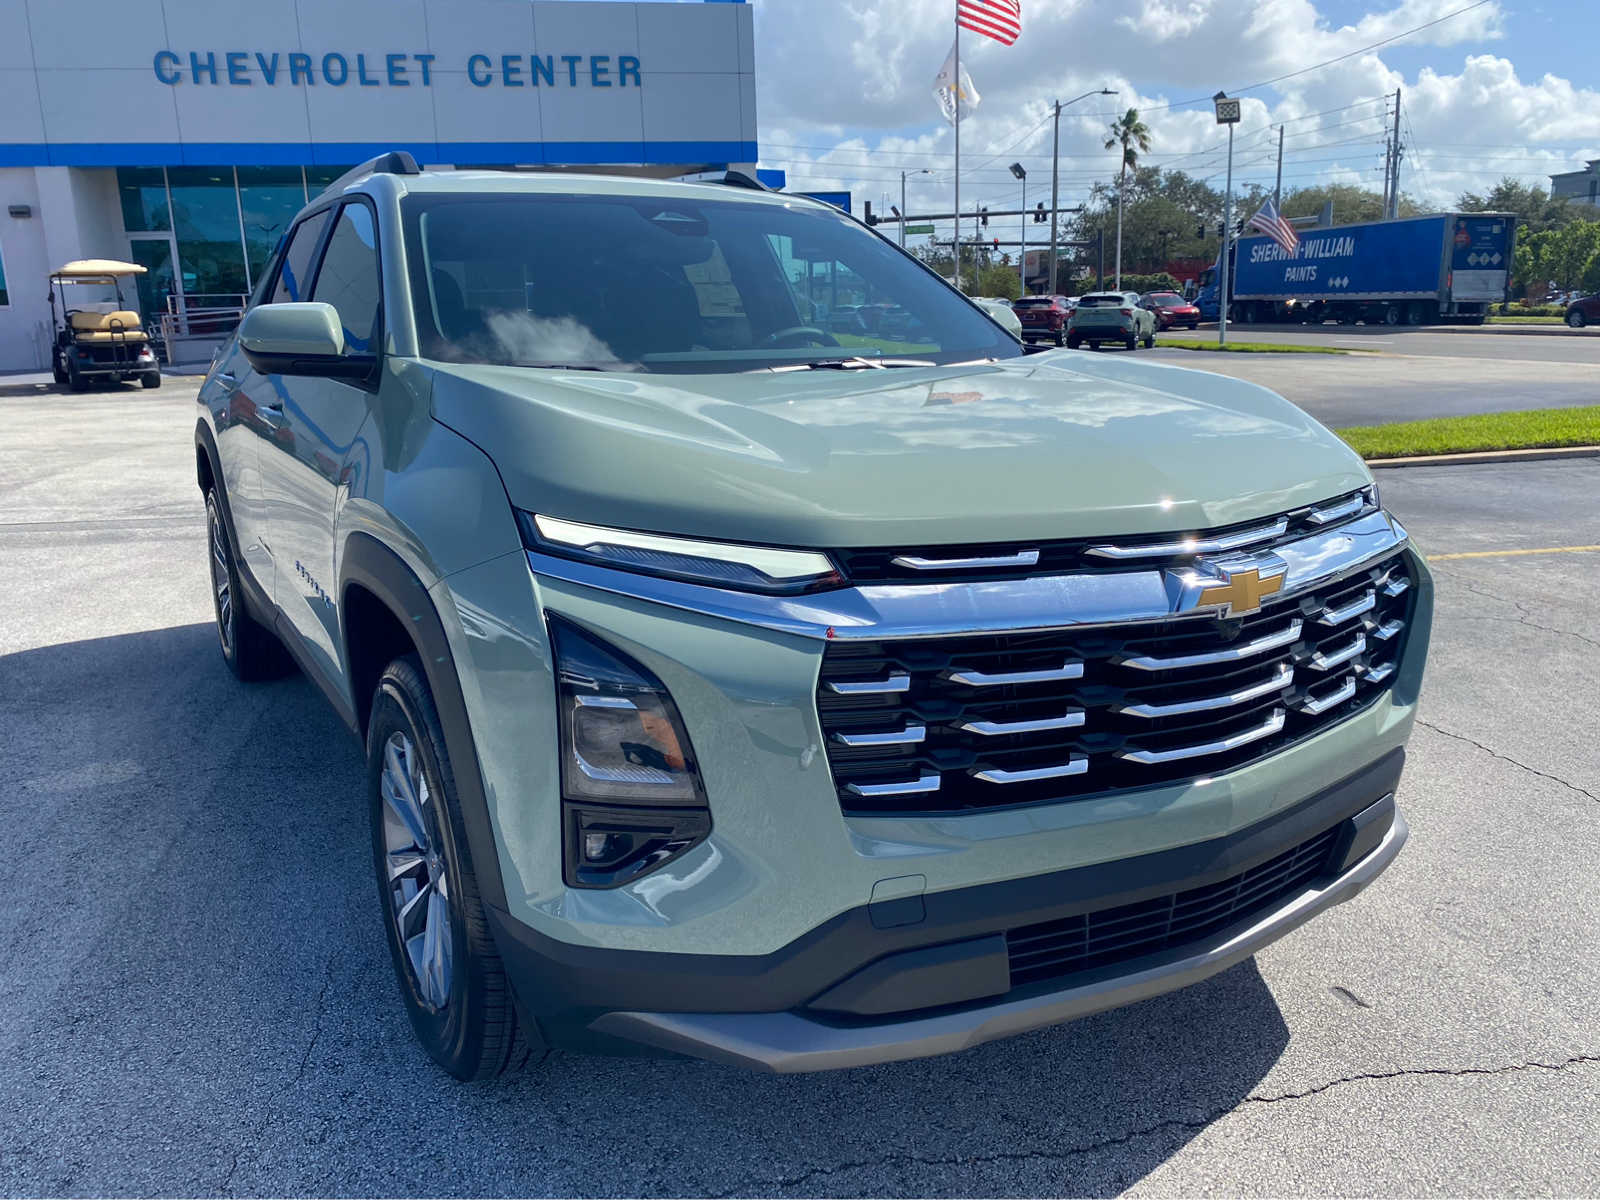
x,y
1022,253
1227,114
1055,175
903,175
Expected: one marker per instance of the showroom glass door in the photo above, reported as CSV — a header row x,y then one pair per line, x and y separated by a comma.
x,y
156,252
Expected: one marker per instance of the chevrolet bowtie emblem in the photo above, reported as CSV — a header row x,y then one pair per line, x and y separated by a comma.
x,y
1242,593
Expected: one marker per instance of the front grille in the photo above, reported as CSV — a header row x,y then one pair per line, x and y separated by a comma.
x,y
958,724
1113,935
1017,560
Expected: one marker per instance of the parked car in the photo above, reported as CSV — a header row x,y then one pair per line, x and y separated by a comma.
x,y
1000,310
1584,311
772,701
1171,310
1111,317
1043,318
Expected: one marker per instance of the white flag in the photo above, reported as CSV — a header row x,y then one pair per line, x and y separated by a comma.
x,y
950,92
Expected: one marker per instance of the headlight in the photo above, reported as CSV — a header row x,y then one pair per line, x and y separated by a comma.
x,y
631,794
719,564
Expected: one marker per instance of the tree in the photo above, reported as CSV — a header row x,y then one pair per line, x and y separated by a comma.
x,y
1351,203
1535,209
1133,135
1568,257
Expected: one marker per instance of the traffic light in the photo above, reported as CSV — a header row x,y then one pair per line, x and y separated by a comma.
x,y
1038,213
1200,230
984,213
996,242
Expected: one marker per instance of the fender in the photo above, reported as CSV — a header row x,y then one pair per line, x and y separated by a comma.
x,y
257,603
372,565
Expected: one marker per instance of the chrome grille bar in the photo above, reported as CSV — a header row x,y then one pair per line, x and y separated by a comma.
x,y
1315,707
899,681
1273,641
1193,545
1388,629
1281,680
1022,558
1380,672
1273,724
1071,720
927,782
1337,512
908,736
1322,660
1077,765
1362,604
1396,586
1067,670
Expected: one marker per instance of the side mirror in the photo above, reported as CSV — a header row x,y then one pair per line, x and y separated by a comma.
x,y
299,339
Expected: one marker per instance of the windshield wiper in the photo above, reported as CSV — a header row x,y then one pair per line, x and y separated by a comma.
x,y
555,366
855,363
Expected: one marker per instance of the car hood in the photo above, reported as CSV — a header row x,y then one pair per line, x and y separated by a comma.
x,y
1056,445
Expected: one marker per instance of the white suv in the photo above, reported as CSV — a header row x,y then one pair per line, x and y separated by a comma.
x,y
1111,317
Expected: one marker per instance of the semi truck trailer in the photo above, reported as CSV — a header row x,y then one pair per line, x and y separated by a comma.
x,y
1411,271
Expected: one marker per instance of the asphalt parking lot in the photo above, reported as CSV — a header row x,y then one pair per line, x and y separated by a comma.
x,y
196,997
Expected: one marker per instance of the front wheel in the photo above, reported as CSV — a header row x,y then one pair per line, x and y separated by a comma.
x,y
451,979
150,379
1073,341
1131,342
1576,319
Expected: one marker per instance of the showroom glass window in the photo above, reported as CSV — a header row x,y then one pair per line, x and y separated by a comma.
x,y
269,198
143,192
348,278
5,299
205,216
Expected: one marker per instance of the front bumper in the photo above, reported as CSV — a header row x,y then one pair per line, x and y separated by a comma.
x,y
875,986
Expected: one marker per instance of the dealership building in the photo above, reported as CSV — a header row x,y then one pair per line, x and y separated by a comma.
x,y
183,135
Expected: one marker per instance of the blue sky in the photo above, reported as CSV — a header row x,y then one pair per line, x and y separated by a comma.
x,y
1507,88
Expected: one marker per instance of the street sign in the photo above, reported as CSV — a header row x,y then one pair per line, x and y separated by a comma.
x,y
1227,112
910,229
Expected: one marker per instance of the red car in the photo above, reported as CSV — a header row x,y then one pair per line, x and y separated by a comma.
x,y
1171,310
1043,317
1581,312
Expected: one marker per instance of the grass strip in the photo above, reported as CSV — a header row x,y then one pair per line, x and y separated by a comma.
x,y
1534,429
1251,347
1527,320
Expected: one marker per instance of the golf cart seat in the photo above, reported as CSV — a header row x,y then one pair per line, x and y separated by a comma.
x,y
105,327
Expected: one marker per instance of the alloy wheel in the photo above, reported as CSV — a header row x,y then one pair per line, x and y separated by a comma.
x,y
221,580
418,888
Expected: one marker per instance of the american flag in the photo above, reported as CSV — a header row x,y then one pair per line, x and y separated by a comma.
x,y
999,19
1275,227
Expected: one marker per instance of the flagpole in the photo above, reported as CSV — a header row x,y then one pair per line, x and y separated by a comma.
x,y
957,83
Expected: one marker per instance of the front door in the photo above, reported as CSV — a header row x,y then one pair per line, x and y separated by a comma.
x,y
158,254
308,467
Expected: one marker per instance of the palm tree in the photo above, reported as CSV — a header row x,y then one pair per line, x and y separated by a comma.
x,y
1133,135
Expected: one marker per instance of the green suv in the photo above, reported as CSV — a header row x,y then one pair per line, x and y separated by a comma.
x,y
735,687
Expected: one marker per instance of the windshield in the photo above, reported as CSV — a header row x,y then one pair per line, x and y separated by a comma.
x,y
1168,300
1033,302
630,283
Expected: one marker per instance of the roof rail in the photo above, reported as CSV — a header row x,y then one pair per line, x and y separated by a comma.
x,y
396,162
740,179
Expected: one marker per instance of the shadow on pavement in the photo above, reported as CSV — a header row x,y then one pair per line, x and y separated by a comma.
x,y
196,998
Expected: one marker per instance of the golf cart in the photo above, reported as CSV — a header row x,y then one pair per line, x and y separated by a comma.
x,y
97,336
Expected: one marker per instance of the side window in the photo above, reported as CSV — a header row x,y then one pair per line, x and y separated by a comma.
x,y
348,278
294,277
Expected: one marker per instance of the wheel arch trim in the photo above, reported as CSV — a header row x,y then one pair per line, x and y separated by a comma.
x,y
373,566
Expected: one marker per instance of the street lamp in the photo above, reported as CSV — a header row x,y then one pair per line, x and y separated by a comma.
x,y
1055,175
903,174
1022,254
1227,114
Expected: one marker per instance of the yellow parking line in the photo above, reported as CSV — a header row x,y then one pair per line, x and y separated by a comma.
x,y
1514,553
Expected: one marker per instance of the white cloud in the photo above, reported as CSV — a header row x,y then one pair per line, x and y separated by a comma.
x,y
845,95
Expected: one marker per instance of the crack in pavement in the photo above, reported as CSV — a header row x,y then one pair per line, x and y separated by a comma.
x,y
1524,617
226,1187
1461,737
1173,1123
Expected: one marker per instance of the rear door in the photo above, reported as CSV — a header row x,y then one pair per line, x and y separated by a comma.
x,y
307,470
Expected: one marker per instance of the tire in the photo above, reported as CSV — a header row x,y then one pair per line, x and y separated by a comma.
x,y
75,379
1094,345
1391,314
451,979
1131,342
57,369
150,379
1061,337
1194,325
1150,340
1073,341
251,650
1576,319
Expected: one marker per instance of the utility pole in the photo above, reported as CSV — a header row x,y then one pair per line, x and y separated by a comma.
x,y
1055,198
1022,264
1277,188
1227,114
1394,163
1055,176
903,174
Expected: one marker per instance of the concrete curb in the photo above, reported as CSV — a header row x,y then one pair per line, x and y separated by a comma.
x,y
1482,457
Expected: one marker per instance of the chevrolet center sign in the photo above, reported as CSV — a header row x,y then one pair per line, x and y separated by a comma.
x,y
125,83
